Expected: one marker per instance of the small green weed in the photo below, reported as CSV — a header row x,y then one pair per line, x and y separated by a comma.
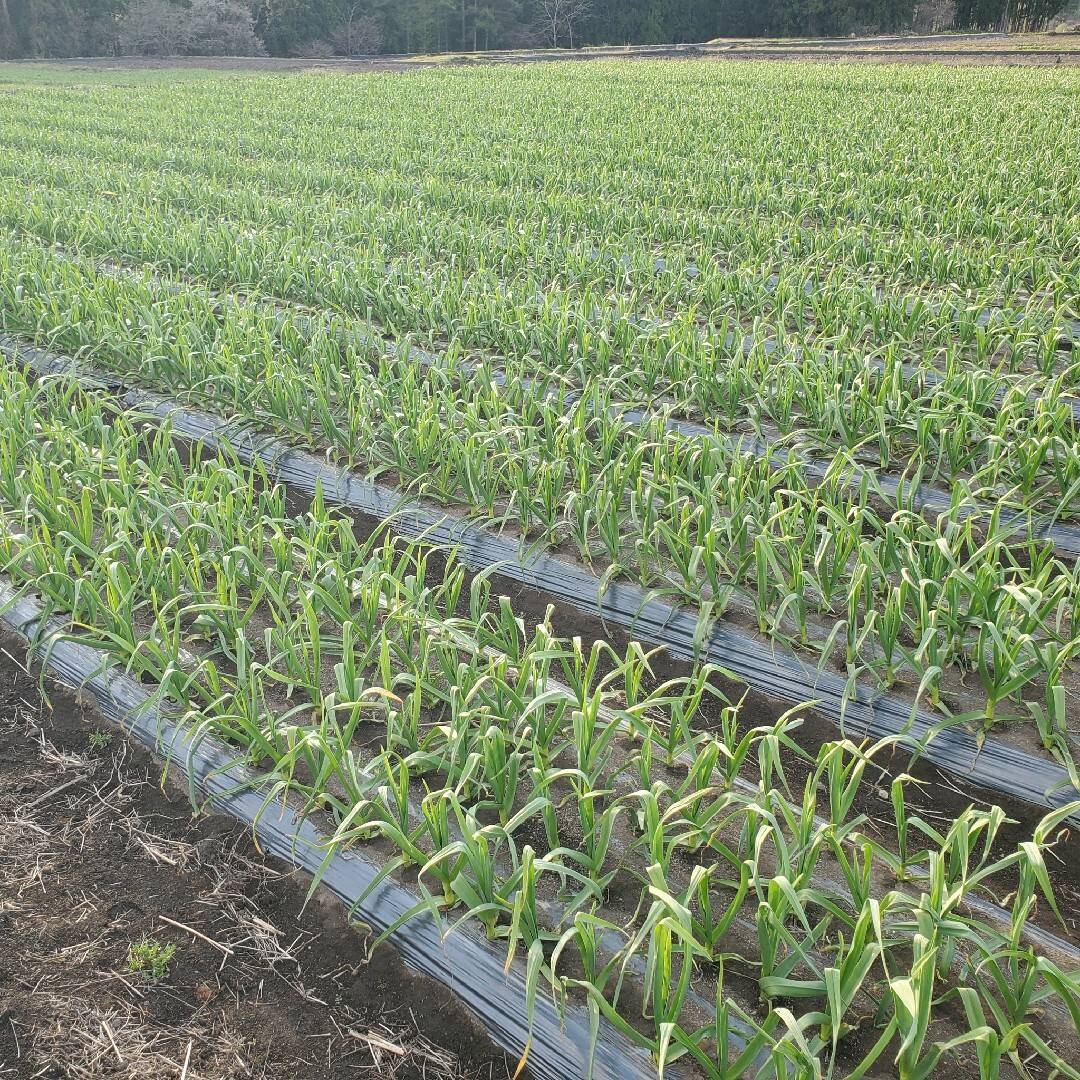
x,y
150,959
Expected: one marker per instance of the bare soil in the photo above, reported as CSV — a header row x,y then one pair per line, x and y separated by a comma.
x,y
996,49
97,856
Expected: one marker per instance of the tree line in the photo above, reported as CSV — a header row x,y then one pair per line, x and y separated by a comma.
x,y
53,28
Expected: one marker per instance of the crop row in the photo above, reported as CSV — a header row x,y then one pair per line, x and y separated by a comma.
x,y
894,490
580,278
566,389
995,765
518,302
783,158
557,1039
865,399
992,764
817,564
471,235
983,392
504,764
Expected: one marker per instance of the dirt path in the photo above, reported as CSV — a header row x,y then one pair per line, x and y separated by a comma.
x,y
99,869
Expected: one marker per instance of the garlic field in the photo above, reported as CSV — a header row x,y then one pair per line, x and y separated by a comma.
x,y
632,506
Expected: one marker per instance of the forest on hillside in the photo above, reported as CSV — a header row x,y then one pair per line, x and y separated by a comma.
x,y
55,28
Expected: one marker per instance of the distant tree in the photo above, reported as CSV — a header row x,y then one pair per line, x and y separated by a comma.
x,y
222,28
358,31
557,15
153,26
1069,17
44,28
200,27
7,33
1009,15
287,26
